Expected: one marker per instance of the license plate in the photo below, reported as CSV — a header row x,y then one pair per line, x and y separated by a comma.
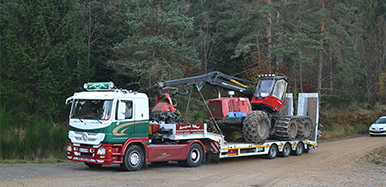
x,y
83,150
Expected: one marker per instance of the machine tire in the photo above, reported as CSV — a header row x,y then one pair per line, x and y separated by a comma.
x,y
92,165
273,151
134,158
286,128
256,127
304,128
286,150
299,149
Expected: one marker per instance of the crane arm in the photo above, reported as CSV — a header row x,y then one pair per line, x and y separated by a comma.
x,y
214,78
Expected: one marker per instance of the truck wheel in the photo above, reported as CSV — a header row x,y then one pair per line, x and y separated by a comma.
x,y
299,149
134,158
272,153
92,165
286,150
256,127
195,156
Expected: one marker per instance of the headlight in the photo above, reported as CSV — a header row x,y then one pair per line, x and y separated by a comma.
x,y
69,148
101,151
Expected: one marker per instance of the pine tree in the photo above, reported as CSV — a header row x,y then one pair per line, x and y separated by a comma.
x,y
43,55
156,48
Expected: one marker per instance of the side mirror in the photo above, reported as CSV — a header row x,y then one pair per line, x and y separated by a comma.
x,y
69,100
121,110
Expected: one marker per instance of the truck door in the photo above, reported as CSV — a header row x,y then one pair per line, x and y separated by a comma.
x,y
125,126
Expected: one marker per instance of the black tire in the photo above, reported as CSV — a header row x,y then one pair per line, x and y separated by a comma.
x,y
256,127
286,150
134,158
299,149
286,128
273,151
304,128
195,156
211,127
92,165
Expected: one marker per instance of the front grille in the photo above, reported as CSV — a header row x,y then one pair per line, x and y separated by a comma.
x,y
86,145
86,154
378,131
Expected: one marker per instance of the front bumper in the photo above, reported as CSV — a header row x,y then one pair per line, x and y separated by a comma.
x,y
377,132
89,153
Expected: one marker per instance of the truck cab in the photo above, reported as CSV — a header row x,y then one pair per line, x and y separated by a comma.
x,y
103,116
107,115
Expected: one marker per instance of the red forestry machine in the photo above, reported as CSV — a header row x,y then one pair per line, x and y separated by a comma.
x,y
255,116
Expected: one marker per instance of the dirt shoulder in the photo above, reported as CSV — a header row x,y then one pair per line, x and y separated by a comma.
x,y
333,163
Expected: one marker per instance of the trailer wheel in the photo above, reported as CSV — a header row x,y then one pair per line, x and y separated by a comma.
x,y
272,153
195,156
299,149
134,158
286,150
92,165
306,150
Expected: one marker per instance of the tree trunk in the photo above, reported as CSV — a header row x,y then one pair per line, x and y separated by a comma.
x,y
331,73
269,37
301,71
320,65
89,36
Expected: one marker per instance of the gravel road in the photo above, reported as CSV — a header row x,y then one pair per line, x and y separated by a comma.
x,y
334,163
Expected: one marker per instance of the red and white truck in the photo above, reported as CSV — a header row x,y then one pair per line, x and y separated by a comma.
x,y
113,126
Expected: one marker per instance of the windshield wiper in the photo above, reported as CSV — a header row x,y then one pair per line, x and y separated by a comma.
x,y
99,121
80,119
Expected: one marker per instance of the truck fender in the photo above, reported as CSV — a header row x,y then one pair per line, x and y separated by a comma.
x,y
130,141
190,142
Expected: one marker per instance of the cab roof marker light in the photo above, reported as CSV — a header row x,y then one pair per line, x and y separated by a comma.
x,y
99,86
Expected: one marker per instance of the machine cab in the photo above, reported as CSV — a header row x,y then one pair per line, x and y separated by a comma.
x,y
270,92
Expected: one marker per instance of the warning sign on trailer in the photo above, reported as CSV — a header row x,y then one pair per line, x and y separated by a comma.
x,y
189,128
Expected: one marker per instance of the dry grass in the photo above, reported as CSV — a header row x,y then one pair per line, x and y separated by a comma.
x,y
352,120
376,156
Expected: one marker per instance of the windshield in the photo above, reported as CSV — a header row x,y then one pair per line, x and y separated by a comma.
x,y
380,120
92,109
263,88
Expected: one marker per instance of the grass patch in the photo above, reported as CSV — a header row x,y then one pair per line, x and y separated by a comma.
x,y
30,138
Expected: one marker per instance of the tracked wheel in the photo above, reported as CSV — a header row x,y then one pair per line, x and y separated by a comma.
x,y
286,128
304,128
256,127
